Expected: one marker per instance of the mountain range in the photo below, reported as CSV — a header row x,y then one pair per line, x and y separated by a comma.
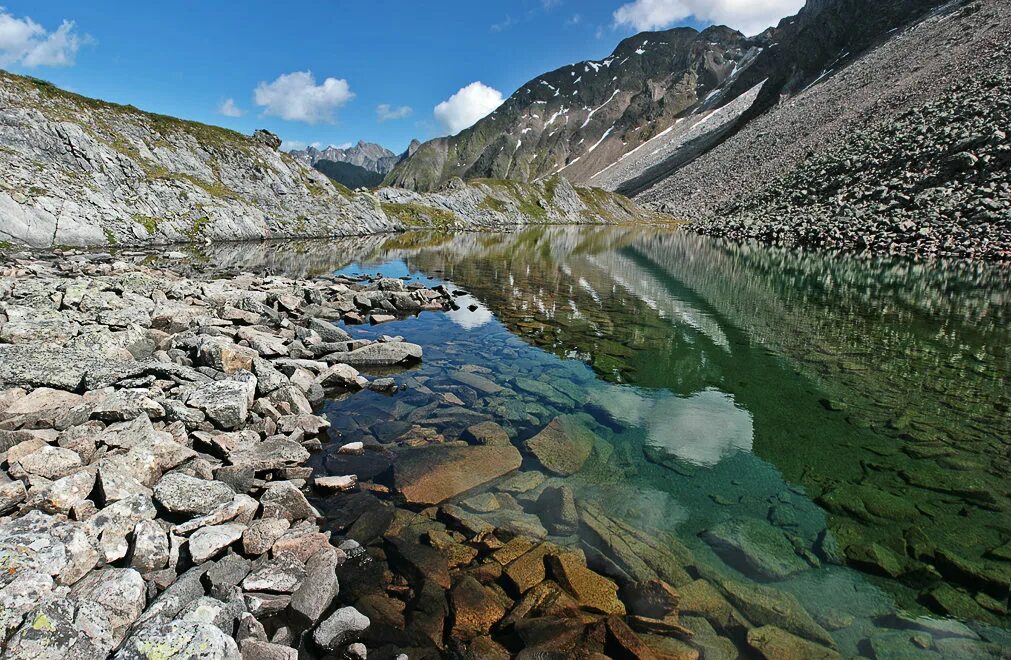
x,y
363,165
660,96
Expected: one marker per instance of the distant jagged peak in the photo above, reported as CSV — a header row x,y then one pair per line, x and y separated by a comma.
x,y
367,155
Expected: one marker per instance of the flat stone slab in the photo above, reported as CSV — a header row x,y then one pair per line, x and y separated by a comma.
x,y
384,354
431,475
32,365
563,445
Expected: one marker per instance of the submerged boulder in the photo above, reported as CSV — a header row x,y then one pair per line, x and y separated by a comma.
x,y
563,445
777,644
755,547
431,475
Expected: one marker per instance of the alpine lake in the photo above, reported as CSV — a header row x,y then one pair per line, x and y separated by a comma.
x,y
793,441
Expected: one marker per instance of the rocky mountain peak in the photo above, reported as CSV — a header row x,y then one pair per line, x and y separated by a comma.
x,y
576,120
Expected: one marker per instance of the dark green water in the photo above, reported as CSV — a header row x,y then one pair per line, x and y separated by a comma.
x,y
851,416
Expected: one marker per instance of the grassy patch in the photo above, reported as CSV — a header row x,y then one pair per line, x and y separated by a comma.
x,y
147,222
110,238
550,186
528,197
596,201
315,190
342,189
196,229
417,215
493,204
6,245
155,172
164,125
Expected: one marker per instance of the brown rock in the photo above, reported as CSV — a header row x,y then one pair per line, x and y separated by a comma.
x,y
475,609
622,643
475,526
668,626
487,433
484,572
485,648
303,543
563,445
512,550
594,592
651,598
429,612
419,563
561,635
776,644
642,555
667,648
431,475
546,599
457,554
529,570
703,599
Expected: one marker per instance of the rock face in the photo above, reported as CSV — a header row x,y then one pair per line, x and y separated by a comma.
x,y
157,179
434,474
113,175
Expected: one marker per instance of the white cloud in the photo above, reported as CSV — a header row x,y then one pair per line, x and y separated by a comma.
x,y
297,97
229,109
386,112
25,42
467,106
504,24
748,16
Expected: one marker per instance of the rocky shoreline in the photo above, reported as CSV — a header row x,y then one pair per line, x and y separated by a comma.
x,y
154,431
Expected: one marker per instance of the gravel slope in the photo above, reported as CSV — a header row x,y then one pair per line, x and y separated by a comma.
x,y
951,54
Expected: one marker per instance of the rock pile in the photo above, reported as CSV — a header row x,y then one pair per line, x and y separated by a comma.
x,y
934,182
154,430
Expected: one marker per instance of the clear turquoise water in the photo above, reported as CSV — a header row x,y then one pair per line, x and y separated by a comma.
x,y
855,412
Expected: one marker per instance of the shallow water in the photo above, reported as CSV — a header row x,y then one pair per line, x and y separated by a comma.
x,y
851,416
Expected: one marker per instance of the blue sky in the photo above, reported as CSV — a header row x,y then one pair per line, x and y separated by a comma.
x,y
187,58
